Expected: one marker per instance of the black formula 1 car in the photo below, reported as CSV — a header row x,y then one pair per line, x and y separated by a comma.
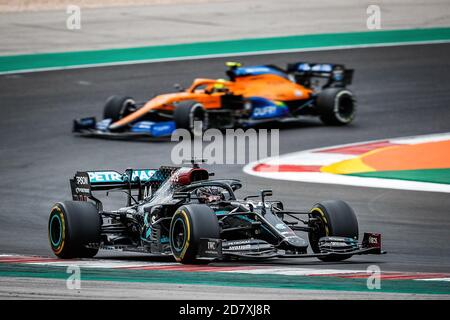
x,y
180,211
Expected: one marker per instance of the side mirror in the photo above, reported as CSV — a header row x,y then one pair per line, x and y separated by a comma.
x,y
249,197
236,186
178,87
264,194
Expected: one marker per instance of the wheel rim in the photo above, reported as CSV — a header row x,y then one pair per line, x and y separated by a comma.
x,y
124,111
345,107
198,115
55,230
178,235
320,229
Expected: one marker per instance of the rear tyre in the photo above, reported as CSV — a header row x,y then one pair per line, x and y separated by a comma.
x,y
189,224
188,112
72,226
117,107
333,218
336,106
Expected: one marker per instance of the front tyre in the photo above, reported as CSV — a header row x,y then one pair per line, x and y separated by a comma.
x,y
189,224
117,107
332,218
72,226
336,106
189,113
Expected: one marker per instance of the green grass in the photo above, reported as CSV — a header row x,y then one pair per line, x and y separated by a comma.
x,y
425,175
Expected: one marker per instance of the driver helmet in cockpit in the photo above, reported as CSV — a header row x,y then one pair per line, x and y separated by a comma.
x,y
209,194
219,86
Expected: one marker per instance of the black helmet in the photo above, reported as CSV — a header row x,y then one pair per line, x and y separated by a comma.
x,y
209,194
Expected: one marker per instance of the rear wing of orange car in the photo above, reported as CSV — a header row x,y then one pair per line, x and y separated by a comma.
x,y
335,75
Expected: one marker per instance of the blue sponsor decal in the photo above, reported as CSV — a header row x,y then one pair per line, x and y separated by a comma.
x,y
338,75
166,128
320,67
103,125
155,129
87,122
267,109
257,70
142,126
304,67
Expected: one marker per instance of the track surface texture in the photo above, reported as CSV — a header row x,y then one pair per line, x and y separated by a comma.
x,y
401,91
20,288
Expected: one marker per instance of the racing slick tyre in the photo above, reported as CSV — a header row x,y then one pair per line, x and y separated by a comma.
x,y
72,226
188,112
332,218
189,224
336,106
117,107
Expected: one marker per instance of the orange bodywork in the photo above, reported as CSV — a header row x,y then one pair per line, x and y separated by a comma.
x,y
269,86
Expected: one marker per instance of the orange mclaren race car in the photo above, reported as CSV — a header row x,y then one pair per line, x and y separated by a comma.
x,y
250,96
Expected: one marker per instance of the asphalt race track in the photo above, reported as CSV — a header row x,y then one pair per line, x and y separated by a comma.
x,y
401,91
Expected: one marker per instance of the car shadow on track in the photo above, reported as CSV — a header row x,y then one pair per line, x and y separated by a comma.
x,y
283,126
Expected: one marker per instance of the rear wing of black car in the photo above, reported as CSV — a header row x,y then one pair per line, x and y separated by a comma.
x,y
336,75
146,181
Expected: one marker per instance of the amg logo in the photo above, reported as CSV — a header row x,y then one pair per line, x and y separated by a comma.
x,y
338,244
240,248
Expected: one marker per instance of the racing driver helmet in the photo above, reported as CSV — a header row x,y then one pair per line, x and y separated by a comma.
x,y
209,194
219,86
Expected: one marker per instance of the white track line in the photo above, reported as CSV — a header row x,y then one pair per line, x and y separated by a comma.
x,y
297,271
224,55
434,279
